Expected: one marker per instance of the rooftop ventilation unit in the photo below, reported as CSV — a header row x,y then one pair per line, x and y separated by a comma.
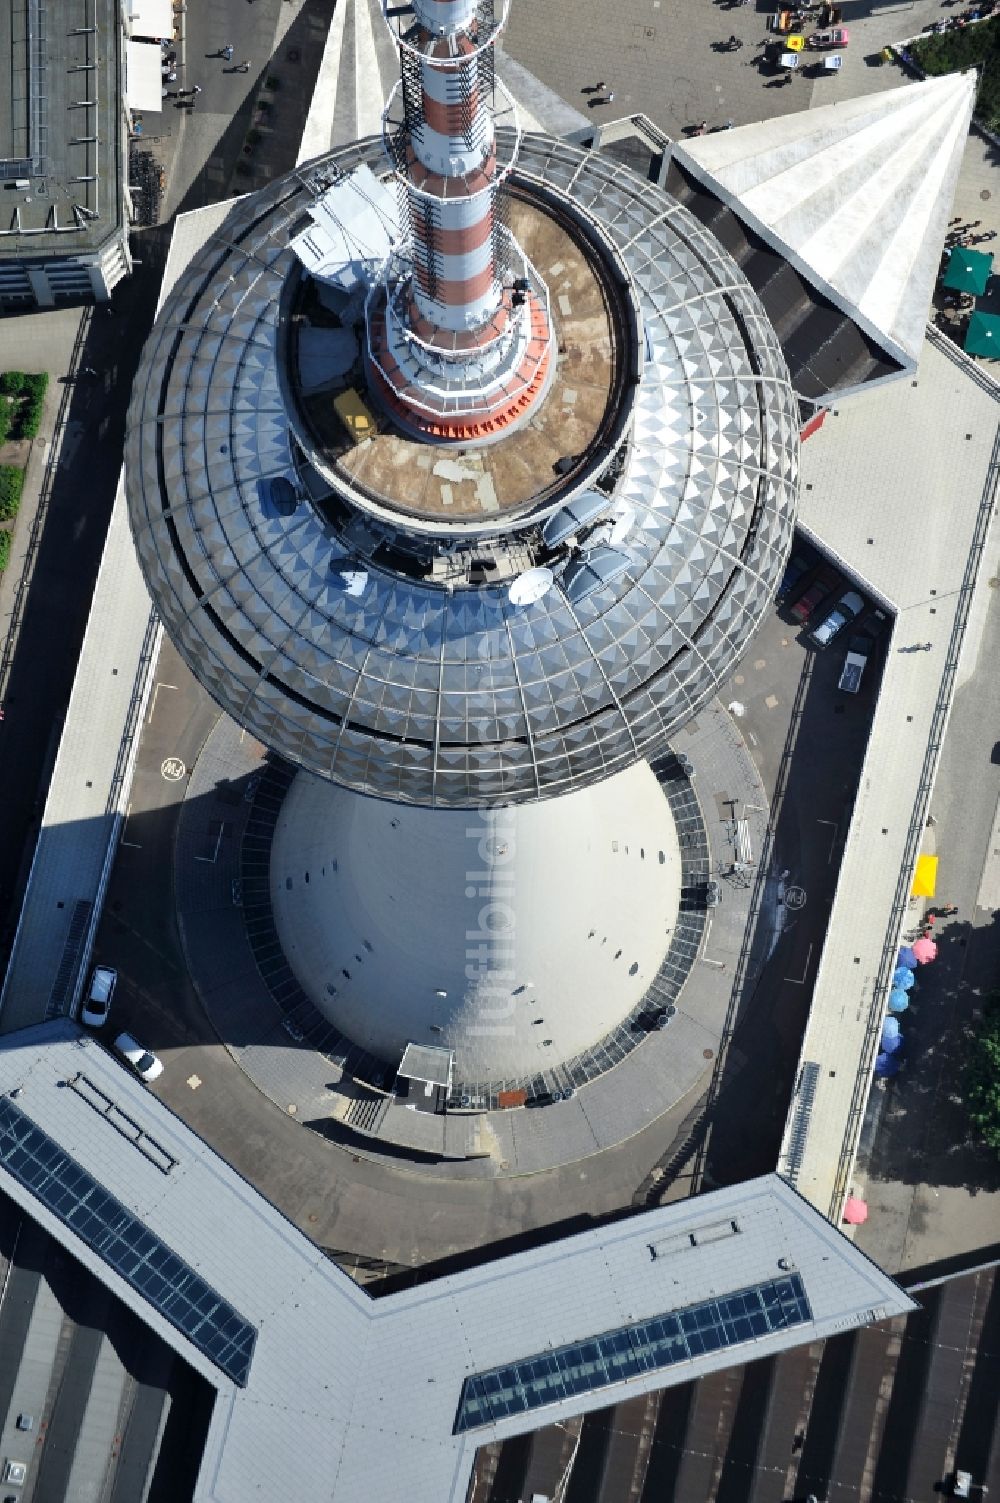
x,y
354,227
569,519
591,571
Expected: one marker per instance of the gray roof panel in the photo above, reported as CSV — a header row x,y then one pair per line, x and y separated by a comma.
x,y
329,1410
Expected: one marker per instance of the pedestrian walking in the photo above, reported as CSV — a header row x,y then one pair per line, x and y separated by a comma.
x,y
245,66
196,89
227,52
600,87
609,98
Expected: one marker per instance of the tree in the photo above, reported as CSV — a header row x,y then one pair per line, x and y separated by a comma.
x,y
982,1080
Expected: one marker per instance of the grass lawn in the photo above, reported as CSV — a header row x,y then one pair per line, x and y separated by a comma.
x,y
22,398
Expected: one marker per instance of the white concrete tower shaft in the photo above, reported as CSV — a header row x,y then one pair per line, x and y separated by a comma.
x,y
453,177
462,346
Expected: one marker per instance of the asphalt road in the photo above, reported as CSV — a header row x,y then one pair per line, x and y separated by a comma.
x,y
93,417
368,1214
808,740
69,553
402,1216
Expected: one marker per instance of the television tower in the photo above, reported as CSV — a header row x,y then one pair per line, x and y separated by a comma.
x,y
460,341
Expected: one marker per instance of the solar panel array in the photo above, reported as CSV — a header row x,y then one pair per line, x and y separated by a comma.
x,y
630,1351
121,1240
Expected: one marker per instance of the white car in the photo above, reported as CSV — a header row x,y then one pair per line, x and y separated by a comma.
x,y
849,605
142,1061
98,1004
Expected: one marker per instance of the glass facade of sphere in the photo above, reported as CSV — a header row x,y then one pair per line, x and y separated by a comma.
x,y
407,690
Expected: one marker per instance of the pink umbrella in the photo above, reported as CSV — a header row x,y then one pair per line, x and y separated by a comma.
x,y
925,950
855,1211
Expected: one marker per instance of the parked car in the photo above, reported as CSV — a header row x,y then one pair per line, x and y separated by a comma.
x,y
826,580
844,610
98,1004
837,36
143,1061
797,568
858,651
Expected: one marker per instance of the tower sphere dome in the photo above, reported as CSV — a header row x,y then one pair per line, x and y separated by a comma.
x,y
375,640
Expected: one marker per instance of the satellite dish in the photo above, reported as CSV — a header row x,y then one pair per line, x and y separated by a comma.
x,y
530,586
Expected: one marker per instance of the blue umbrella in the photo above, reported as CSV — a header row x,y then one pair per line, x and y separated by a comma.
x,y
907,958
890,1030
898,1000
891,1045
887,1064
902,977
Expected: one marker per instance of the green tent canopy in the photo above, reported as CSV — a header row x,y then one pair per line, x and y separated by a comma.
x,y
968,271
983,336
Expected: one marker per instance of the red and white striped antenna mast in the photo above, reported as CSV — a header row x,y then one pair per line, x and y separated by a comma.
x,y
460,338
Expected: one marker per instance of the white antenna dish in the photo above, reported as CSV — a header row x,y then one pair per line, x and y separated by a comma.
x,y
530,586
622,522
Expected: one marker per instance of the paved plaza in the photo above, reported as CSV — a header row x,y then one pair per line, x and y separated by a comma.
x,y
666,58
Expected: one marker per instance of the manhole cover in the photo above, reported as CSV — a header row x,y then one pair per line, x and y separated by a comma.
x,y
708,1054
172,769
294,55
795,897
985,194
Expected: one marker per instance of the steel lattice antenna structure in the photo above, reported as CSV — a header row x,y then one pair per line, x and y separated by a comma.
x,y
460,339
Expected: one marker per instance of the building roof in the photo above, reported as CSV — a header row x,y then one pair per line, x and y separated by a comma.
x,y
87,1391
412,690
327,1408
885,1412
875,474
60,126
427,1062
855,195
